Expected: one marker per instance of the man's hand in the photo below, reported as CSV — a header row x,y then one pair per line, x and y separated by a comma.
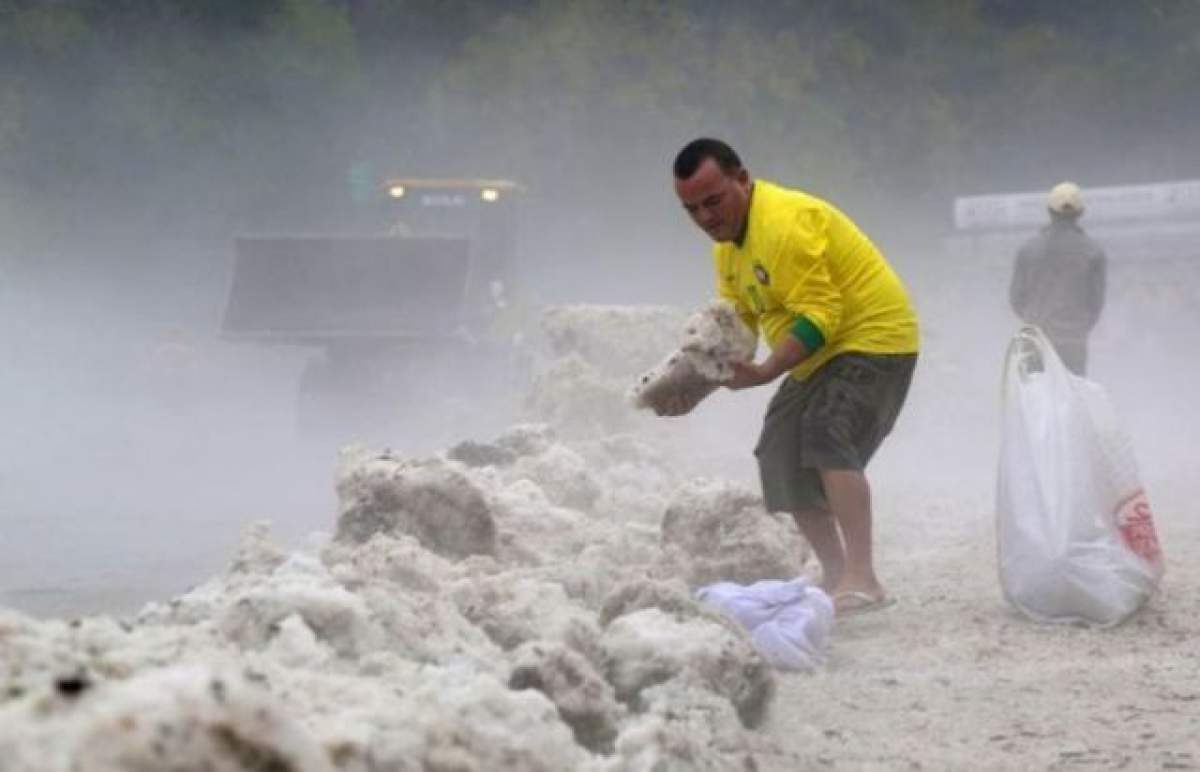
x,y
788,353
746,375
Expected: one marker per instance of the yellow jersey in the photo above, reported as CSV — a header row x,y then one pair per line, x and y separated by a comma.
x,y
804,268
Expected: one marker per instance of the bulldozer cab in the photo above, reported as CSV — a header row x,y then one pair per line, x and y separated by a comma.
x,y
482,211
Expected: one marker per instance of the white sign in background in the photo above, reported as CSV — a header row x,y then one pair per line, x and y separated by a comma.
x,y
1162,200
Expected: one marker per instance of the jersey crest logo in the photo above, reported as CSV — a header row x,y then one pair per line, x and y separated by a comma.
x,y
761,274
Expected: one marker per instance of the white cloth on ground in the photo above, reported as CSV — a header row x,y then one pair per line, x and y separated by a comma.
x,y
789,622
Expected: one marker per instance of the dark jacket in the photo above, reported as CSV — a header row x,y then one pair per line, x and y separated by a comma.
x,y
1058,281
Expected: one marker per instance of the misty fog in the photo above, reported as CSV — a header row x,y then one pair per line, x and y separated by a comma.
x,y
138,441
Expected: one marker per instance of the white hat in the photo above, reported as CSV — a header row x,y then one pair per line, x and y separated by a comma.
x,y
1065,198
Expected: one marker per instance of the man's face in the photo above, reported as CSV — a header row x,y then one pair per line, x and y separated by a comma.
x,y
716,201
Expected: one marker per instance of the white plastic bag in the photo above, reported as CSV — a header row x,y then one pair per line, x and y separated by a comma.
x,y
675,376
1075,536
789,622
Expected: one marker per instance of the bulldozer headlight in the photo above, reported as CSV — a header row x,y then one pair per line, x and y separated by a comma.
x,y
396,191
489,195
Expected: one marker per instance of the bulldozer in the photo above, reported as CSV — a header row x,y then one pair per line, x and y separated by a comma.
x,y
419,309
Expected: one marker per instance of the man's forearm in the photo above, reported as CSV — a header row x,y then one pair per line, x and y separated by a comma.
x,y
789,352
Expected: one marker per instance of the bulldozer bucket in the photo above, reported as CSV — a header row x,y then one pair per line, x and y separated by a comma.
x,y
317,289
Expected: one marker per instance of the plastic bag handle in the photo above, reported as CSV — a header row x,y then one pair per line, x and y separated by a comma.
x,y
1027,347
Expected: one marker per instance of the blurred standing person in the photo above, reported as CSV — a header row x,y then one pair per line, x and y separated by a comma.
x,y
839,324
1059,279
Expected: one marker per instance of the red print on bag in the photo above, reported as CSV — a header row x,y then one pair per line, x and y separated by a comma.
x,y
1137,527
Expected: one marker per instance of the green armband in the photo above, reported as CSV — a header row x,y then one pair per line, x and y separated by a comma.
x,y
807,333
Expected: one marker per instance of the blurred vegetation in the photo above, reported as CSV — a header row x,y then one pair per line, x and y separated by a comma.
x,y
207,116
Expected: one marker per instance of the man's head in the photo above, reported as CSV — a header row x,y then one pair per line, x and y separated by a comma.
x,y
713,187
1065,201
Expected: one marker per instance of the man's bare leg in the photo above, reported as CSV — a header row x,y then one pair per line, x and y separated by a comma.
x,y
849,497
821,531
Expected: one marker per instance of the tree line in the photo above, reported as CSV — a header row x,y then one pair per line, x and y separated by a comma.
x,y
224,114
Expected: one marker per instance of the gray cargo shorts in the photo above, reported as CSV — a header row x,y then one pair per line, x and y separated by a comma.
x,y
834,419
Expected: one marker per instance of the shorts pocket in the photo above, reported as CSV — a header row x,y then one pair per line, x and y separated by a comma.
x,y
859,373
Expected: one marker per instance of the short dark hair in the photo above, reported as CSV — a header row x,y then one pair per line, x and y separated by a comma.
x,y
694,153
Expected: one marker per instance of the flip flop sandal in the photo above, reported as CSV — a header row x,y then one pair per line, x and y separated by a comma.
x,y
861,603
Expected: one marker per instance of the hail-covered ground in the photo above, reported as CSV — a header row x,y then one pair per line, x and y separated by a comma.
x,y
521,601
525,599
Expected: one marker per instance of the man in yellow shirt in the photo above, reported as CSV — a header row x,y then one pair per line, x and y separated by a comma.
x,y
838,321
